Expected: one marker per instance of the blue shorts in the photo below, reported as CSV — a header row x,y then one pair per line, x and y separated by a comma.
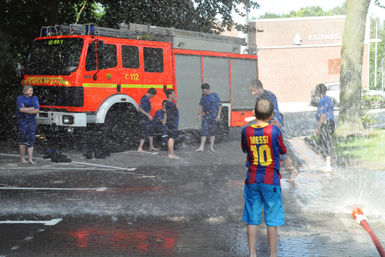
x,y
209,127
172,130
27,132
146,128
258,195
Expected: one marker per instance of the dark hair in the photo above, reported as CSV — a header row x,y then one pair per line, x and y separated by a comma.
x,y
321,89
256,83
169,92
163,102
151,91
264,108
205,86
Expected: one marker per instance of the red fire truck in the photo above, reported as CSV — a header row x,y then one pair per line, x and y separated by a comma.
x,y
84,75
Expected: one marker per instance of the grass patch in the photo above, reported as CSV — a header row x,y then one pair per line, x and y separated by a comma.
x,y
369,147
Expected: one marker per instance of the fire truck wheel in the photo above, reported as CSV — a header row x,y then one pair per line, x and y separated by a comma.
x,y
122,128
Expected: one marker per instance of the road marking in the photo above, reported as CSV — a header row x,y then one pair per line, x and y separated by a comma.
x,y
53,168
15,247
51,222
98,189
105,166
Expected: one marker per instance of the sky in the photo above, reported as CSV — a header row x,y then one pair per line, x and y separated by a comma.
x,y
285,6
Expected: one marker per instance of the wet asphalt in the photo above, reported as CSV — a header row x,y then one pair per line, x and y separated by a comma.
x,y
135,204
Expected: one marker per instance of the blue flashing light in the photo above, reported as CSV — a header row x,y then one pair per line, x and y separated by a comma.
x,y
92,29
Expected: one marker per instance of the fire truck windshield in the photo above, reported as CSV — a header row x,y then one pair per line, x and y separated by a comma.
x,y
58,56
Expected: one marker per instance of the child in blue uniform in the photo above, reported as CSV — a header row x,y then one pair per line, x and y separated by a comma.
x,y
159,123
263,144
27,108
210,108
325,124
172,120
145,119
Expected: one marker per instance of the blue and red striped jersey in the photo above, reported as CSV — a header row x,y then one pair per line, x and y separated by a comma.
x,y
263,145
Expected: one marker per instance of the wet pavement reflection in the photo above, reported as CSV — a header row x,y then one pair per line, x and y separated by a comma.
x,y
191,207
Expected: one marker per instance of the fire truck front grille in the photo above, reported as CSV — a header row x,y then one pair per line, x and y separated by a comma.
x,y
59,96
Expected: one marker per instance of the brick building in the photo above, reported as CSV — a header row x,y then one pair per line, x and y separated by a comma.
x,y
295,54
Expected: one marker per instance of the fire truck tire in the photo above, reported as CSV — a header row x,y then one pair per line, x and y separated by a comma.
x,y
121,127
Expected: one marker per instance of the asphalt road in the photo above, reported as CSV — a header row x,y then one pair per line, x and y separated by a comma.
x,y
133,204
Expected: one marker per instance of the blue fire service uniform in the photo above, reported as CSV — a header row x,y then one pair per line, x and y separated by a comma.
x,y
210,105
145,123
172,119
26,122
326,106
159,127
277,115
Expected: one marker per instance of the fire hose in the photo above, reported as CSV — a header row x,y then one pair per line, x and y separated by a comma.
x,y
359,216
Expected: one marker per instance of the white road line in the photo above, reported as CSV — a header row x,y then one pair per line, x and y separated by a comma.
x,y
98,189
52,168
51,222
105,166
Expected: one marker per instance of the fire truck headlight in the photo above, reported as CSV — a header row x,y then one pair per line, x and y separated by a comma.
x,y
68,119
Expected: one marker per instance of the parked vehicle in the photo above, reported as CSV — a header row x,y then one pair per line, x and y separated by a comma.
x,y
85,75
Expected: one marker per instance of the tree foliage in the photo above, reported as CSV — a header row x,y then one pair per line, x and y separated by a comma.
x,y
21,21
210,16
308,12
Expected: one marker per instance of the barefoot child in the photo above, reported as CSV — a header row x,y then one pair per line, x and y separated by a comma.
x,y
27,108
263,144
172,120
145,119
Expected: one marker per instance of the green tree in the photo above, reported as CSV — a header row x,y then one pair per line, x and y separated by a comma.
x,y
308,12
205,16
349,121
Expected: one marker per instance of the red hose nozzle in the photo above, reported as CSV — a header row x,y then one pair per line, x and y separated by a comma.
x,y
358,215
361,219
357,211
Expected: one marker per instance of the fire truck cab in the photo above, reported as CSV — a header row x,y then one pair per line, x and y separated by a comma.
x,y
86,75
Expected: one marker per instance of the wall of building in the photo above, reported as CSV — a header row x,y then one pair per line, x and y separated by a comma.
x,y
295,54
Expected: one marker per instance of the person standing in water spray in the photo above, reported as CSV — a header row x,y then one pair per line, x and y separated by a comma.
x,y
257,89
325,124
210,108
172,120
27,108
264,146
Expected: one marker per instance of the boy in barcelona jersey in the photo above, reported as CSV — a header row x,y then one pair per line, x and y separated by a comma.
x,y
263,144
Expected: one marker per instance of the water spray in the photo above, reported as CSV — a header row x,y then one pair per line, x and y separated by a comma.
x,y
361,219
